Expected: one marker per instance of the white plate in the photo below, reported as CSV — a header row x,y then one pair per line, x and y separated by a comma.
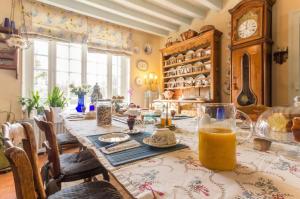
x,y
147,141
132,132
171,83
114,137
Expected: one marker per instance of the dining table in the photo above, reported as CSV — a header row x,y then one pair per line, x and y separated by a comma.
x,y
179,174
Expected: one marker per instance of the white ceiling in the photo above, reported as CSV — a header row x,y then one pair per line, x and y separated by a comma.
x,y
159,17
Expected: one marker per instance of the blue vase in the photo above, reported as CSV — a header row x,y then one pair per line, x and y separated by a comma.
x,y
80,106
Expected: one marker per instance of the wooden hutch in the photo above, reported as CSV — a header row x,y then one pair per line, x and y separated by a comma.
x,y
191,67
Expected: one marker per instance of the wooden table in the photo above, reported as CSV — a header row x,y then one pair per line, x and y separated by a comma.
x,y
180,175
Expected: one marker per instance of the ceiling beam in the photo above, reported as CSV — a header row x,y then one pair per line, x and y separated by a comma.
x,y
123,11
211,4
183,7
155,10
104,15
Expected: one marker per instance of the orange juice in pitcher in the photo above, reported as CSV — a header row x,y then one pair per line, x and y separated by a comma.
x,y
217,135
217,148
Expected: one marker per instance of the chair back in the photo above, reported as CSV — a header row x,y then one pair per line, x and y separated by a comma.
x,y
49,114
23,170
51,145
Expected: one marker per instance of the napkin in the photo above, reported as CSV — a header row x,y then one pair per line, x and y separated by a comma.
x,y
75,117
121,147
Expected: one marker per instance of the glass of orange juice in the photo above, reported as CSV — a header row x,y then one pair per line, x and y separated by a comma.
x,y
217,135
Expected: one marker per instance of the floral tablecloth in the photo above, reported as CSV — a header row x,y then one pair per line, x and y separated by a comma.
x,y
179,174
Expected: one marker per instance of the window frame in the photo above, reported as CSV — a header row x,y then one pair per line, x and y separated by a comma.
x,y
28,68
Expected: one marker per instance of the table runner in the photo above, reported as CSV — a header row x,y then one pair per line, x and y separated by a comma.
x,y
138,153
180,175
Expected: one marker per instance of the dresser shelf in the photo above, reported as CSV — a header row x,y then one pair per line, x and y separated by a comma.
x,y
208,44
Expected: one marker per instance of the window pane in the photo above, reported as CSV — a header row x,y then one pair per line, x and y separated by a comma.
x,y
75,66
75,78
62,79
40,47
40,68
97,71
68,68
91,68
40,62
62,50
62,65
40,82
75,52
116,75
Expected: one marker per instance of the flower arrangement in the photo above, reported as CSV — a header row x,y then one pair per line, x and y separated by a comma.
x,y
80,90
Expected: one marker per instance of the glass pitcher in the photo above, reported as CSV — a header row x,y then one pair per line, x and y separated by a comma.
x,y
217,134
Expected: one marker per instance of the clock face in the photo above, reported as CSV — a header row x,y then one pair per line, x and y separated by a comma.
x,y
247,28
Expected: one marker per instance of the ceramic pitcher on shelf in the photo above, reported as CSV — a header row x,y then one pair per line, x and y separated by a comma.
x,y
218,135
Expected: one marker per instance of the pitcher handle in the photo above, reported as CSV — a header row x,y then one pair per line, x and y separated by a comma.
x,y
250,131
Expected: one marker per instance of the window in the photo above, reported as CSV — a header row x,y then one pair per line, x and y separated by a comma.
x,y
97,71
68,68
40,68
60,64
120,77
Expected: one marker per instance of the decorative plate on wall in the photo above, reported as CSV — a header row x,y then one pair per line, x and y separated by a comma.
x,y
142,65
139,81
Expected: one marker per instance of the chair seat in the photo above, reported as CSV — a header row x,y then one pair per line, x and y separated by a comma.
x,y
80,165
91,190
66,138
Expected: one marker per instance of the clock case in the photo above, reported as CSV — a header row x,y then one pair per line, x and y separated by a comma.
x,y
252,54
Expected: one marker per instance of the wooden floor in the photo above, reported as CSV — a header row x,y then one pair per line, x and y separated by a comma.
x,y
7,187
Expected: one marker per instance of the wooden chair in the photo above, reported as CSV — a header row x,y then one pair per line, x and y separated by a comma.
x,y
28,181
69,166
64,140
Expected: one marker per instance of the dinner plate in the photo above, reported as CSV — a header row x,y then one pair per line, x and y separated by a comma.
x,y
148,142
114,137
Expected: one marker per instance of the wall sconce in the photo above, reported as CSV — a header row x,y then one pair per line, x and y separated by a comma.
x,y
281,56
151,81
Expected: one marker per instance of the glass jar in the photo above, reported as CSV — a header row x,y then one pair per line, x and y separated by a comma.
x,y
104,112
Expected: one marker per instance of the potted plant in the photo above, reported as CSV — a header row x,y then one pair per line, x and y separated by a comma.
x,y
80,91
31,106
57,102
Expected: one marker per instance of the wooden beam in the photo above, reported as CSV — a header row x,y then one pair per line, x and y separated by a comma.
x,y
123,11
155,10
211,4
105,16
183,7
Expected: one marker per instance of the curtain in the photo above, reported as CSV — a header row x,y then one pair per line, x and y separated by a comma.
x,y
45,21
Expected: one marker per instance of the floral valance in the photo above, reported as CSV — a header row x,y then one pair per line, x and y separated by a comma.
x,y
51,22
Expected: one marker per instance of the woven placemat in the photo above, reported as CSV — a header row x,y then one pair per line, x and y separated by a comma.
x,y
131,155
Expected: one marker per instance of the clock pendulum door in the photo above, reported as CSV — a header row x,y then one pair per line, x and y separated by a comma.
x,y
246,96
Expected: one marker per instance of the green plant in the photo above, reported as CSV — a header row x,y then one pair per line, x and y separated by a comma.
x,y
79,90
56,98
32,103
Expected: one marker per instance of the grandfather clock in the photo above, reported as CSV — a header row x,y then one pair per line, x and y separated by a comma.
x,y
251,52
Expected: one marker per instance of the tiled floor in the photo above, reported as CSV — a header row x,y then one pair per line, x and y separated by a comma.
x,y
7,187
